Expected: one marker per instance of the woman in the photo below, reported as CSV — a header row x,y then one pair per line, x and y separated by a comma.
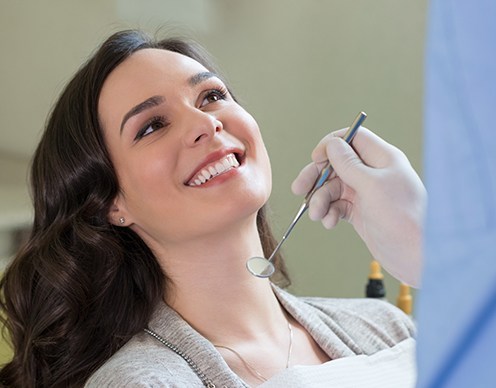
x,y
149,189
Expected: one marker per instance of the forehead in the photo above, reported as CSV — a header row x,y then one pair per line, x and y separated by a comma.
x,y
145,65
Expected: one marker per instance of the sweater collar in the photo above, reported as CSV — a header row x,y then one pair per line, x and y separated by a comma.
x,y
168,324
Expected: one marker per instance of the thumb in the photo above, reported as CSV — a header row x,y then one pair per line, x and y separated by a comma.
x,y
346,163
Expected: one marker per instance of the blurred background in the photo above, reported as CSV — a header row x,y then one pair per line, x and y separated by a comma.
x,y
301,68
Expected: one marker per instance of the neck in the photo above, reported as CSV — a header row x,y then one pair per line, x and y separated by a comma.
x,y
213,291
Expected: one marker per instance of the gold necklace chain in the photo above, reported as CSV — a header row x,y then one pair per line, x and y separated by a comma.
x,y
250,367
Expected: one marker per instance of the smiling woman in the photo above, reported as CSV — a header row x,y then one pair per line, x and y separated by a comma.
x,y
182,119
76,262
150,185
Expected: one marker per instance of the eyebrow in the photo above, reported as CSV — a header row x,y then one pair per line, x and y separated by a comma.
x,y
200,77
147,104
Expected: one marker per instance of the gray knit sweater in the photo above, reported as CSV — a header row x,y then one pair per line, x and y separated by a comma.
x,y
341,327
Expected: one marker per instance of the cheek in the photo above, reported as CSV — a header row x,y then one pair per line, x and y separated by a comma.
x,y
256,139
147,180
266,171
261,179
246,128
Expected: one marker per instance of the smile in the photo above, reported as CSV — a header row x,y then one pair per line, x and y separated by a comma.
x,y
214,169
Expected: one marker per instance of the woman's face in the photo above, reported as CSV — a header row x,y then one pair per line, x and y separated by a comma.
x,y
190,160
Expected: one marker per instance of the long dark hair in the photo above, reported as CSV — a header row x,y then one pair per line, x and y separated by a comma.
x,y
81,287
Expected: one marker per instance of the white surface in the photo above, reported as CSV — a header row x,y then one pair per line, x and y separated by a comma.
x,y
389,368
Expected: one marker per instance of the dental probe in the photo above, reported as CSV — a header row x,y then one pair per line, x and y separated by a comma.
x,y
264,268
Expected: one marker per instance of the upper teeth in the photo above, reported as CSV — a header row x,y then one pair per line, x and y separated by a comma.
x,y
226,163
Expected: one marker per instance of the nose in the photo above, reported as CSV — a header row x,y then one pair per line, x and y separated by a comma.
x,y
201,127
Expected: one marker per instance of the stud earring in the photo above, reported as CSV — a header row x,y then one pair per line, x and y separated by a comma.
x,y
122,220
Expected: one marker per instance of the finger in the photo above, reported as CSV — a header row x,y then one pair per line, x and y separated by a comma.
x,y
319,153
305,179
347,164
323,198
372,150
339,210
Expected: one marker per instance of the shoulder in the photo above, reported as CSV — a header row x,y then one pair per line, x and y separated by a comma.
x,y
142,363
372,323
346,326
362,309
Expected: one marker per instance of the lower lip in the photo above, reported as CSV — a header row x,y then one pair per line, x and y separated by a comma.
x,y
219,179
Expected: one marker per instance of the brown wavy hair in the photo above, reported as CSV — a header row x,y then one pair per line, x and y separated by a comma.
x,y
80,288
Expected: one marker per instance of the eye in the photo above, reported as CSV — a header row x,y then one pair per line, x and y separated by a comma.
x,y
152,125
214,95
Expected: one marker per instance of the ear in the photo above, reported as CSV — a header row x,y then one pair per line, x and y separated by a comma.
x,y
118,214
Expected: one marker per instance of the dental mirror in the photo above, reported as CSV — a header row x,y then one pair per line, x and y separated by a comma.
x,y
264,268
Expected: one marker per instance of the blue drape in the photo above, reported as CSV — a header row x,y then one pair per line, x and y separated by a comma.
x,y
456,309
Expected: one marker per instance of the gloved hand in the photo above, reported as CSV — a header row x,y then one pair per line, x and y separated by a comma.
x,y
375,188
